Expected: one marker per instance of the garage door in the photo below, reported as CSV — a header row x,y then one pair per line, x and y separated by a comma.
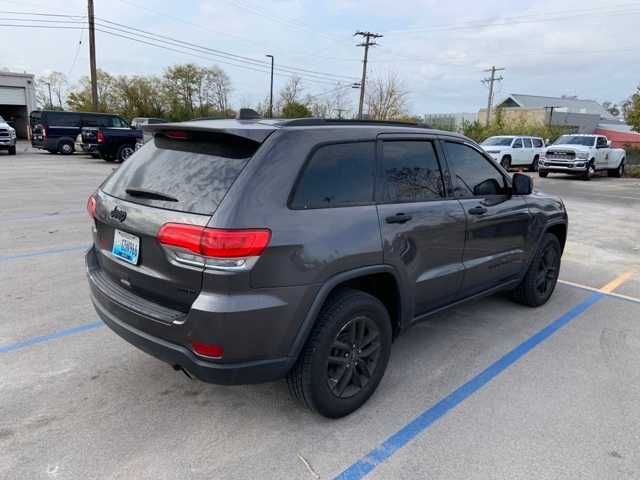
x,y
12,96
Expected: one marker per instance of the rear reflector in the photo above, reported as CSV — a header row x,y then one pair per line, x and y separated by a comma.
x,y
210,350
91,206
215,242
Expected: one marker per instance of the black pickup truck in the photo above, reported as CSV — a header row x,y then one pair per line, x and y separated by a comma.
x,y
109,143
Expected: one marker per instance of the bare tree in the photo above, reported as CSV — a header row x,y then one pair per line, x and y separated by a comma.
x,y
59,90
334,104
386,98
290,93
216,88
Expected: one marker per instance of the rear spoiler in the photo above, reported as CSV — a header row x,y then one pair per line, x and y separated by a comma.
x,y
251,130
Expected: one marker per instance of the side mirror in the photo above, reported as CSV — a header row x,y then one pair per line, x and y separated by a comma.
x,y
522,184
608,143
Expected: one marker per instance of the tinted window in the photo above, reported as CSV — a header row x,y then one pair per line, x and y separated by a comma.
x,y
410,172
538,143
601,142
337,175
527,143
197,171
63,119
475,176
517,143
118,122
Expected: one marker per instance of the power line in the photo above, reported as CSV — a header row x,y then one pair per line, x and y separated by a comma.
x,y
366,44
224,53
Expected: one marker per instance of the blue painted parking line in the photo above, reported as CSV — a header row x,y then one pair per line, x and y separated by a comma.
x,y
29,342
42,253
427,418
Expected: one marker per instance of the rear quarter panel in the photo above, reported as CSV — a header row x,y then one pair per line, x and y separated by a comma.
x,y
615,156
307,246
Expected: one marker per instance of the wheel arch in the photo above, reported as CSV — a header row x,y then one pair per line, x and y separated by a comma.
x,y
381,281
560,231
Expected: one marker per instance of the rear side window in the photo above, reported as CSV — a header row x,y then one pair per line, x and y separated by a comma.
x,y
63,119
475,176
195,172
527,142
410,172
337,176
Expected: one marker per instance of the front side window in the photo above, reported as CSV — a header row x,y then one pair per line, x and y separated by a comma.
x,y
517,143
337,175
475,176
410,172
601,142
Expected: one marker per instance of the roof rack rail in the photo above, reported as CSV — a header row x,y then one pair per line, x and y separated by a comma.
x,y
309,122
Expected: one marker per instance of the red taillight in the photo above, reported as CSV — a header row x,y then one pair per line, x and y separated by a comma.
x,y
100,136
91,206
176,134
215,242
208,349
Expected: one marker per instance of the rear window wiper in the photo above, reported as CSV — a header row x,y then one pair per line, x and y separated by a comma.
x,y
152,194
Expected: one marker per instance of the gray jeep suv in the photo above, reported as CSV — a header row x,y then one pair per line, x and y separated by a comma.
x,y
244,251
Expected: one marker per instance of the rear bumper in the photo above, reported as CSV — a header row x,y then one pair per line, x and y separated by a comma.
x,y
179,356
256,328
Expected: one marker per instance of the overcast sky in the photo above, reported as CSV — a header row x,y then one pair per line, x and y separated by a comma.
x,y
438,49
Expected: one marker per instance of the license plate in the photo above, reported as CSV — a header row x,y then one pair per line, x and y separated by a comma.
x,y
126,246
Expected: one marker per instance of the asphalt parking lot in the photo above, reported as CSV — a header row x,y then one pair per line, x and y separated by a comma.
x,y
490,389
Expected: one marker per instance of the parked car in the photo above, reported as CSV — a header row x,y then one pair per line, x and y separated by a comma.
x,y
247,251
57,132
141,122
110,144
583,155
515,151
7,137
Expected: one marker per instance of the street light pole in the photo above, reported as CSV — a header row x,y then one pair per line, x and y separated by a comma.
x,y
271,89
50,100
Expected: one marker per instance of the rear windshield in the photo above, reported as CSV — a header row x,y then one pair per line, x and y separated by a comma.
x,y
195,173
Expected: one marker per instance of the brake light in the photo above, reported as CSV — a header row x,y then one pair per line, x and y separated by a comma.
x,y
215,247
176,134
91,206
210,350
100,136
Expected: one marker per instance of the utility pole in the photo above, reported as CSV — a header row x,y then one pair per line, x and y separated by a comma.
x,y
50,100
92,57
551,108
271,90
366,44
490,81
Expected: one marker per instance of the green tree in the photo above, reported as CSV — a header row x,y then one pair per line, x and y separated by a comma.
x,y
108,97
295,110
631,109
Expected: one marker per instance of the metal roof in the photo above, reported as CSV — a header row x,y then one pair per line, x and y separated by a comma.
x,y
572,105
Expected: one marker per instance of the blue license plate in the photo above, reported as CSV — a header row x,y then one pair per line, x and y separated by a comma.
x,y
126,246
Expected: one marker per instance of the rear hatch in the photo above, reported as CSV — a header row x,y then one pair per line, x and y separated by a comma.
x,y
178,178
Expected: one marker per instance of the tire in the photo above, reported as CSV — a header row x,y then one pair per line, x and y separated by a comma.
x,y
543,174
618,172
541,277
588,173
534,165
66,148
330,387
124,152
506,163
12,150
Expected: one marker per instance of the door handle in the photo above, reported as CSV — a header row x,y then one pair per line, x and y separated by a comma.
x,y
478,210
398,218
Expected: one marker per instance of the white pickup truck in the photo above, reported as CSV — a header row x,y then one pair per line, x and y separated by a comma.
x,y
515,151
582,155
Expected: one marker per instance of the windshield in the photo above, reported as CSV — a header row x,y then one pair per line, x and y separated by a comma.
x,y
498,141
575,140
